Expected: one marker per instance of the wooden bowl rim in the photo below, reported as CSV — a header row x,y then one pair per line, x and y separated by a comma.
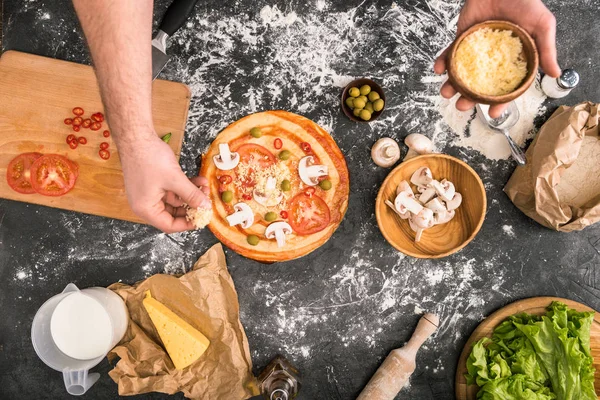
x,y
523,305
371,83
459,85
410,253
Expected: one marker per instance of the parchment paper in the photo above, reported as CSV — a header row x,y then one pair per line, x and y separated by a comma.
x,y
206,298
557,145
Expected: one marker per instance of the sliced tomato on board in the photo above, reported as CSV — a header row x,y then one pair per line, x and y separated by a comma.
x,y
18,172
53,175
308,214
255,155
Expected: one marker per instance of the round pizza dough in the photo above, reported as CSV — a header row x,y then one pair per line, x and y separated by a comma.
x,y
306,212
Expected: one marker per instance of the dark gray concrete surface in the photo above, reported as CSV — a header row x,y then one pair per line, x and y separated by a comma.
x,y
338,311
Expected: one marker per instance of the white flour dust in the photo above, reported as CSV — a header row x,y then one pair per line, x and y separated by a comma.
x,y
508,230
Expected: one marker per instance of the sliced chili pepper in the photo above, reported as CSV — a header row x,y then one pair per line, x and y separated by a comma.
x,y
77,121
284,214
68,121
104,154
104,146
96,126
78,111
76,128
71,137
246,197
305,147
309,191
86,123
278,144
98,117
225,179
106,133
82,140
73,144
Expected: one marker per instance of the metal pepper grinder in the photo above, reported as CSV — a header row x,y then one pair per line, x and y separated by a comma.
x,y
556,88
280,380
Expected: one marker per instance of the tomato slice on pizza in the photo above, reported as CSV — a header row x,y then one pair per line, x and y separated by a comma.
x,y
308,214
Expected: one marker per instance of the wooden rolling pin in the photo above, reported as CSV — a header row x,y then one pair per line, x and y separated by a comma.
x,y
399,365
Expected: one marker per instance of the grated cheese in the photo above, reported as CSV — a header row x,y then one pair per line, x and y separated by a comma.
x,y
260,176
200,217
490,62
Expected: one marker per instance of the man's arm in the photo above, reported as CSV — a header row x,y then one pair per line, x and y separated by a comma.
x,y
119,34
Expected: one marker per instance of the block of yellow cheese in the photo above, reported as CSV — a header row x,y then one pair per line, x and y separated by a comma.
x,y
184,343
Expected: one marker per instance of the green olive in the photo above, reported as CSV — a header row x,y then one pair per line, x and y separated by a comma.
x,y
364,98
365,90
365,115
373,96
325,184
359,103
227,196
284,155
286,185
369,107
378,105
357,112
270,216
256,132
354,92
252,240
350,102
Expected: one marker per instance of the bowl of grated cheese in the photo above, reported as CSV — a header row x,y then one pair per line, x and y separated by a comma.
x,y
493,62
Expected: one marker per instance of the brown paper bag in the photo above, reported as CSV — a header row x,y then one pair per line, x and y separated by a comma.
x,y
556,147
206,298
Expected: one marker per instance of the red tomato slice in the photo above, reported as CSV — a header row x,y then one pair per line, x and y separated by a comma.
x,y
18,172
308,215
53,175
255,155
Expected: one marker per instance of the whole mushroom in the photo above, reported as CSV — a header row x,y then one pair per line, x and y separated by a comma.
x,y
385,152
417,144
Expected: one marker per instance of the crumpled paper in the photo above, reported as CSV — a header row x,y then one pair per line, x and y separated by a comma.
x,y
557,145
206,298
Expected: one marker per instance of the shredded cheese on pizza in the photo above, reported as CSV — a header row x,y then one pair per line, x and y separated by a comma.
x,y
260,176
200,217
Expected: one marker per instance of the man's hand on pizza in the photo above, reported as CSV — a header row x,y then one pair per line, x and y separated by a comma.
x,y
531,15
157,187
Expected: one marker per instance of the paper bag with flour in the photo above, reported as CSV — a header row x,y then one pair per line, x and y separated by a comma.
x,y
560,185
206,298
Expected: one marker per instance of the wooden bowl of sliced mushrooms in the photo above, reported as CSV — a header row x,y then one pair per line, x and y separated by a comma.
x,y
431,206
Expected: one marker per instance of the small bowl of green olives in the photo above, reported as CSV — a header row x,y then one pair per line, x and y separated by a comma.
x,y
363,100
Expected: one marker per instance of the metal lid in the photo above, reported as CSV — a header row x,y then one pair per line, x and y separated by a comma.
x,y
568,79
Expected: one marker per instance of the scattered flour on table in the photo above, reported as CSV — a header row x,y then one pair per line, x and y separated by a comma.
x,y
508,230
580,182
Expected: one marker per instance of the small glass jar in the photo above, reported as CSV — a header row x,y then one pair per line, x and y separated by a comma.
x,y
557,88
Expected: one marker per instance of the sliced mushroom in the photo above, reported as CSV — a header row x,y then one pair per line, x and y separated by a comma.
x,y
278,230
427,195
404,215
421,177
445,189
455,202
417,144
243,216
406,201
309,173
436,205
385,152
424,219
226,160
443,216
418,231
271,196
403,187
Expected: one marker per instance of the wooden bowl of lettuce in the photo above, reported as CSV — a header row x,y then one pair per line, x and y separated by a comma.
x,y
524,348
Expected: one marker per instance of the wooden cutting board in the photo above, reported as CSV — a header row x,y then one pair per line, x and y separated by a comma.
x,y
38,93
534,305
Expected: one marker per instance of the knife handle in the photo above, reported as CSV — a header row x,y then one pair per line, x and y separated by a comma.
x,y
177,13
